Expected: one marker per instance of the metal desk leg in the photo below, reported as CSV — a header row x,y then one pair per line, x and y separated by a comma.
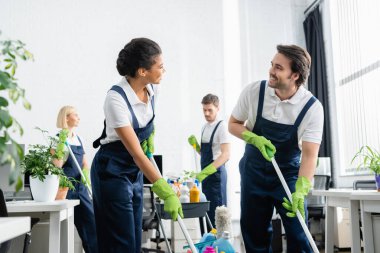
x,y
355,229
54,232
329,229
367,230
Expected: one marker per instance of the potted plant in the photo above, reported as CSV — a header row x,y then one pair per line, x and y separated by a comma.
x,y
65,184
371,160
43,174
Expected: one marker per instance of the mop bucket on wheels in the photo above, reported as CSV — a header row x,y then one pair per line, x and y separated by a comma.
x,y
190,210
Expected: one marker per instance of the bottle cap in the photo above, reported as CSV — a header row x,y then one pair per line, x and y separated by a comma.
x,y
213,231
226,235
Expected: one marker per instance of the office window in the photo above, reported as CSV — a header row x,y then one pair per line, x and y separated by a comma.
x,y
355,38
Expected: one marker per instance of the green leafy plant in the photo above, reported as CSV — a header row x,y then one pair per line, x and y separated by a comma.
x,y
11,51
370,159
39,162
69,182
188,175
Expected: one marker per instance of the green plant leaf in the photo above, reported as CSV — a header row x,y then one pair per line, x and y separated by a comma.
x,y
3,102
5,119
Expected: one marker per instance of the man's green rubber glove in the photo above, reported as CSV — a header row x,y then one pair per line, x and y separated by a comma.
x,y
144,146
86,174
194,143
266,148
207,171
303,187
171,201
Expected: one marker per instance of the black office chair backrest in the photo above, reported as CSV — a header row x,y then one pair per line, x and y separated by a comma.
x,y
364,185
3,205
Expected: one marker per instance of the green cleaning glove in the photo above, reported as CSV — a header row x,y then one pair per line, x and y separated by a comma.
x,y
60,152
264,145
207,171
86,174
194,143
303,187
171,201
148,145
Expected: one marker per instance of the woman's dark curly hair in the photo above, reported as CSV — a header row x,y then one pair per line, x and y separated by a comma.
x,y
138,53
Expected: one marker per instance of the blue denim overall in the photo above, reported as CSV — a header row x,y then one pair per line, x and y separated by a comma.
x,y
213,186
84,218
117,185
261,189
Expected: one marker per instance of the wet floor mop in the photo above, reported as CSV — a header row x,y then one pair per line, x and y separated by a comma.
x,y
179,219
299,216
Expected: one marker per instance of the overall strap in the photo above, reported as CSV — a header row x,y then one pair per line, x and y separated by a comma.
x,y
304,111
261,99
120,90
213,132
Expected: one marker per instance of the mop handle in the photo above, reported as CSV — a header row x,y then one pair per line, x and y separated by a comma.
x,y
299,216
179,219
195,159
80,170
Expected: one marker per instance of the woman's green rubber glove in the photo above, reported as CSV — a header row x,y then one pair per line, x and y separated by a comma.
x,y
303,187
207,171
148,145
171,201
194,143
86,174
266,148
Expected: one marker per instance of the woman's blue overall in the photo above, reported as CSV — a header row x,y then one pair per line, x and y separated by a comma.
x,y
261,189
213,186
84,218
117,185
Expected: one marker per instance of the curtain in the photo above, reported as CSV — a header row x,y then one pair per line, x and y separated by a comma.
x,y
317,82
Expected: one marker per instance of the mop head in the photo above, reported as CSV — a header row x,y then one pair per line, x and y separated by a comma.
x,y
222,220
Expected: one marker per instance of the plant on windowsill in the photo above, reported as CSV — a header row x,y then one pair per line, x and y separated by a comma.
x,y
371,160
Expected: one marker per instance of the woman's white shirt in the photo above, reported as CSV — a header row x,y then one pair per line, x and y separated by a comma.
x,y
117,113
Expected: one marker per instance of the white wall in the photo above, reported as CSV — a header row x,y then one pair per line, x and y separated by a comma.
x,y
75,44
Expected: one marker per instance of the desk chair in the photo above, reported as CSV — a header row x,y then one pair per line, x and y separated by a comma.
x,y
316,204
364,185
150,220
5,246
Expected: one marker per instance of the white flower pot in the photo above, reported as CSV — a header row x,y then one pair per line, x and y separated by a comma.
x,y
44,191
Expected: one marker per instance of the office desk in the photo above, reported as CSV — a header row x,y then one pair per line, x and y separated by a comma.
x,y
54,212
11,227
340,198
369,203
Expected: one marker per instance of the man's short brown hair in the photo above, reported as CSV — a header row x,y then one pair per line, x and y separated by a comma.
x,y
210,99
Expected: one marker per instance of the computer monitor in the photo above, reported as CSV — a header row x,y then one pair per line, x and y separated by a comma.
x,y
158,159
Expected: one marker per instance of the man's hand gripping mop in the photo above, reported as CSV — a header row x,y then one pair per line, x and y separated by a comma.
x,y
299,216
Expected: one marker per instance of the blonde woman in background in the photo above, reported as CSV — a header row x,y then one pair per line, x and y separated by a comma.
x,y
84,218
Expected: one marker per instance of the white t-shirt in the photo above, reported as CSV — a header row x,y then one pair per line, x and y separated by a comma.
x,y
285,112
117,113
74,140
221,136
